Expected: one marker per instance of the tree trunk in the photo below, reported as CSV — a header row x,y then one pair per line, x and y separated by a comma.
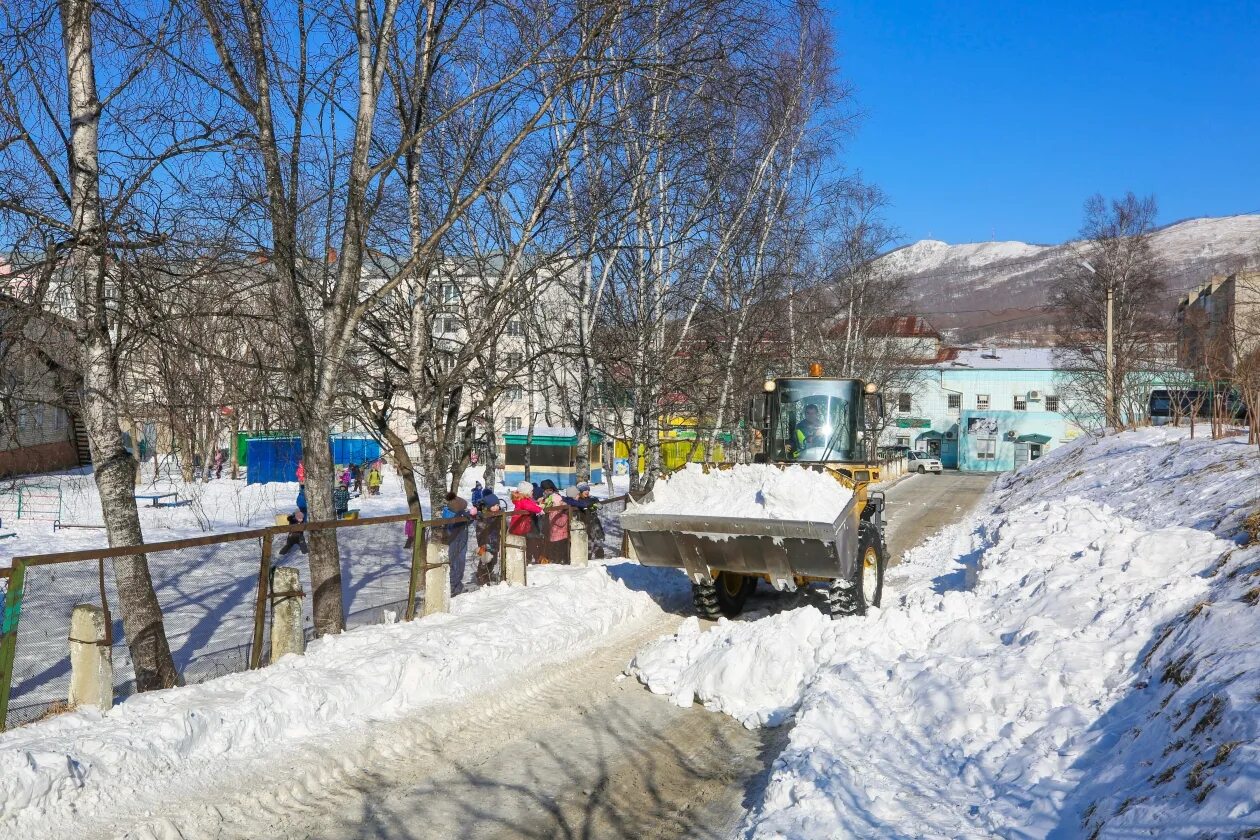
x,y
114,466
327,610
492,456
406,468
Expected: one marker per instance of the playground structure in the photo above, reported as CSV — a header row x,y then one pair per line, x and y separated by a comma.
x,y
38,502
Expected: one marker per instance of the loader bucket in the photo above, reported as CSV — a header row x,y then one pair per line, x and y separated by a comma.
x,y
780,549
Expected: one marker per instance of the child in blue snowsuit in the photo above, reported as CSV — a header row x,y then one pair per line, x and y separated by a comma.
x,y
457,539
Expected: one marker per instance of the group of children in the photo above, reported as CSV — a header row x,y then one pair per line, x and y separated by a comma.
x,y
355,474
351,476
540,513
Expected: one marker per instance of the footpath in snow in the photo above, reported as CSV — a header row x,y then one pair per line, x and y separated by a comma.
x,y
82,772
1080,659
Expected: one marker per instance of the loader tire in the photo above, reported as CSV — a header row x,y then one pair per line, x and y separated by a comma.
x,y
866,586
726,596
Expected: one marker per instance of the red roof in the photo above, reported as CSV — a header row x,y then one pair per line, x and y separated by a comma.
x,y
903,326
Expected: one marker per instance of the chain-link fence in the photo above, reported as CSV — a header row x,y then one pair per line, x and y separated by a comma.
x,y
208,591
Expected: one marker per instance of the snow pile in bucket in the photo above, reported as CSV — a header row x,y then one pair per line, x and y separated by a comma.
x,y
749,491
83,766
1051,668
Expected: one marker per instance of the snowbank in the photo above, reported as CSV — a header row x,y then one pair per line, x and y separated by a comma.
x,y
56,773
1079,657
753,491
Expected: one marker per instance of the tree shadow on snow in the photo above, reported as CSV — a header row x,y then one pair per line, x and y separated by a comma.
x,y
604,772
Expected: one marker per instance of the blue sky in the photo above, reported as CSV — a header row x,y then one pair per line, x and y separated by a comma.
x,y
995,120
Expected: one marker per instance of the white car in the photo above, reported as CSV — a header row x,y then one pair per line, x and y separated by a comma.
x,y
923,463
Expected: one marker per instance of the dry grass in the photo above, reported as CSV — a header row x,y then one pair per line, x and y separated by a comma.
x,y
58,708
1252,526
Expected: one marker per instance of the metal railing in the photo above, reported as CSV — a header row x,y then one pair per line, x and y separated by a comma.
x,y
246,651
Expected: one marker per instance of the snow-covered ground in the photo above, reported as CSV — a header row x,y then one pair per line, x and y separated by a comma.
x,y
1080,659
81,771
207,594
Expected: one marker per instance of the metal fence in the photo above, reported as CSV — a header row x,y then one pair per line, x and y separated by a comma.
x,y
213,592
31,501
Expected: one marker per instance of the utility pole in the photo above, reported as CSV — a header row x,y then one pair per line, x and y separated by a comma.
x,y
1109,382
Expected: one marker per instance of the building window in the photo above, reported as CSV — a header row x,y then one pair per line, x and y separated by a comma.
x,y
514,327
903,403
450,293
955,402
986,449
982,402
903,440
513,424
1021,404
1052,403
516,394
447,324
512,361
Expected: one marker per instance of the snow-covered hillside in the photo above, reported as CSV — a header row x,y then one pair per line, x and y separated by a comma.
x,y
1077,660
1014,277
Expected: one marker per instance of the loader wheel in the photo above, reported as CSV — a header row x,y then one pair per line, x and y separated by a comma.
x,y
724,597
866,588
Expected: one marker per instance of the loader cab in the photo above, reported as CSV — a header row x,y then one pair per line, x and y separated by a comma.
x,y
813,420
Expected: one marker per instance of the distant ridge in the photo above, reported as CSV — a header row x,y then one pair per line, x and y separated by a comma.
x,y
1000,290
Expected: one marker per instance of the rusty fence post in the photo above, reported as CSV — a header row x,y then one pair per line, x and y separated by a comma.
x,y
503,539
8,634
260,605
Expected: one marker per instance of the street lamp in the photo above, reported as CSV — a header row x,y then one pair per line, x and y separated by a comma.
x,y
1110,405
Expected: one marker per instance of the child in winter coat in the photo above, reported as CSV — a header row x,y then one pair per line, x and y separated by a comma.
x,y
487,537
556,530
457,539
301,472
295,538
524,511
374,482
588,509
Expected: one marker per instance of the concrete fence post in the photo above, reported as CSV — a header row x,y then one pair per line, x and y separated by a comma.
x,y
286,613
514,560
579,541
437,577
91,663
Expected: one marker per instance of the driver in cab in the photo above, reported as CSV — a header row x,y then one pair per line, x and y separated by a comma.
x,y
809,431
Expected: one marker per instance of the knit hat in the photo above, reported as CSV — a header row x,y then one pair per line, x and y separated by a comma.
x,y
571,492
489,500
583,487
525,488
548,484
457,504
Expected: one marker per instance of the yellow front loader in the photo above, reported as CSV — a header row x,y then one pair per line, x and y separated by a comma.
x,y
812,421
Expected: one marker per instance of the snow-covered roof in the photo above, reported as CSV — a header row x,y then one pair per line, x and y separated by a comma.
x,y
996,358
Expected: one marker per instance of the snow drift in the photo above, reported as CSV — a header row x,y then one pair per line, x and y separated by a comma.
x,y
749,491
69,768
1079,659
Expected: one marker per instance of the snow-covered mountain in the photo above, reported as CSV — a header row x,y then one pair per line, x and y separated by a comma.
x,y
989,290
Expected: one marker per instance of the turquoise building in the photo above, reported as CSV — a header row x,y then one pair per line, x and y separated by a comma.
x,y
989,409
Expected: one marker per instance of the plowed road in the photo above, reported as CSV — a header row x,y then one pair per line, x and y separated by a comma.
x,y
577,752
